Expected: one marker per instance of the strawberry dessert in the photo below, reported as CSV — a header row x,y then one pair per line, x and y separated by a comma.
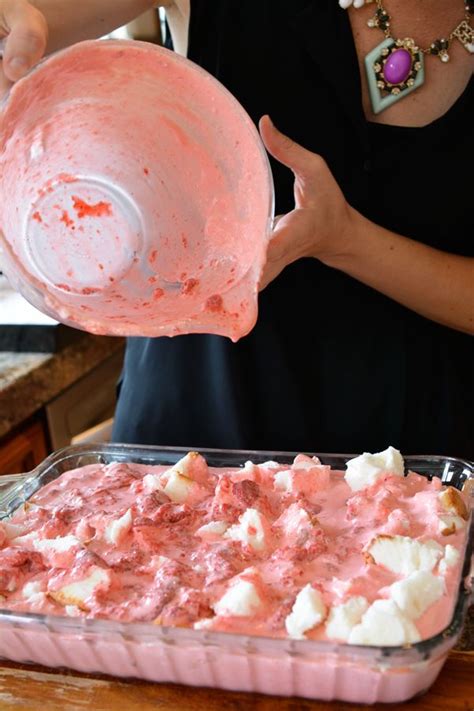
x,y
367,556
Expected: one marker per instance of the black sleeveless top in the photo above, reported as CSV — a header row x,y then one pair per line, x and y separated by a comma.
x,y
332,365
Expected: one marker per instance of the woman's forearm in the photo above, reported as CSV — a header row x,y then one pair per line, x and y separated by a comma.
x,y
71,21
435,284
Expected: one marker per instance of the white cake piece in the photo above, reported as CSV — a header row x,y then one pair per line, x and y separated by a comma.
x,y
116,531
450,524
282,480
56,545
340,587
178,487
206,623
33,592
184,477
294,521
450,558
306,476
365,470
303,462
212,530
308,612
404,555
152,482
384,624
251,529
343,618
249,471
28,540
416,593
453,503
79,592
240,600
270,464
192,465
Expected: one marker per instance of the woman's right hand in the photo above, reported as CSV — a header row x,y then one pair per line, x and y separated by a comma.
x,y
24,34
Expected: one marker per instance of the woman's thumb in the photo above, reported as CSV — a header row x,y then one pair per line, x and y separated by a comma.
x,y
26,40
285,150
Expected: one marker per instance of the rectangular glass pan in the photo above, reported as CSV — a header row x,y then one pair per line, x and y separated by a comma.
x,y
312,669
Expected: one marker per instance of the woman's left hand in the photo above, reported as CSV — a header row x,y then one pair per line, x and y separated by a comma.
x,y
320,224
435,284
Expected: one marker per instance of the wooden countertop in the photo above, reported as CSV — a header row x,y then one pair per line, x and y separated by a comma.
x,y
33,688
30,380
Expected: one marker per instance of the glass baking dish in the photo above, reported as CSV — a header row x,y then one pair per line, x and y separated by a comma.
x,y
311,669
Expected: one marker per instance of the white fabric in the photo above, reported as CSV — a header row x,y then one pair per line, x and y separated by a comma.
x,y
178,16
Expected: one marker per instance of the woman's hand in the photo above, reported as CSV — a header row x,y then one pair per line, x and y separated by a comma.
x,y
27,28
435,284
320,223
24,31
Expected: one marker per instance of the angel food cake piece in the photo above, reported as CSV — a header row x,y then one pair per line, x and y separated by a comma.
x,y
369,555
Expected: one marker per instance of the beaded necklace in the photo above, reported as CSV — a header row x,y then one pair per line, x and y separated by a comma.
x,y
395,67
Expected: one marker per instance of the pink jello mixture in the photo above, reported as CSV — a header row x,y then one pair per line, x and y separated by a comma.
x,y
156,564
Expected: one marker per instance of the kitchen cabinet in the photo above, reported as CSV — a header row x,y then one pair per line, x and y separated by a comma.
x,y
86,403
24,450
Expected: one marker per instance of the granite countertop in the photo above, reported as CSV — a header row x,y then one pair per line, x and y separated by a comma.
x,y
29,380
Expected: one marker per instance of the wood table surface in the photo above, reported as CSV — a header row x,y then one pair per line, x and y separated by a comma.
x,y
33,688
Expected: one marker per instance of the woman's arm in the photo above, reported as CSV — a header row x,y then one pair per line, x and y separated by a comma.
x,y
435,284
31,28
71,21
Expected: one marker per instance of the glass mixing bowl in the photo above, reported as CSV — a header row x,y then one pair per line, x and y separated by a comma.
x,y
136,194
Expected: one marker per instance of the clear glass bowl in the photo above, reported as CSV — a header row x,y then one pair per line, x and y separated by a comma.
x,y
136,197
319,670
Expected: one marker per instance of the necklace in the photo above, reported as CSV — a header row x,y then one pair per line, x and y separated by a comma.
x,y
395,67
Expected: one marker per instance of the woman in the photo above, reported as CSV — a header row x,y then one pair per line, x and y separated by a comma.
x,y
367,303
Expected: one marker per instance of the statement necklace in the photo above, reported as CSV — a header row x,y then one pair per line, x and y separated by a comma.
x,y
396,66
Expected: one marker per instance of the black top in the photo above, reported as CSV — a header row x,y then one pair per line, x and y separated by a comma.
x,y
332,365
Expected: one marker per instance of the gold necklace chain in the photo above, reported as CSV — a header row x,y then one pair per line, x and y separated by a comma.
x,y
439,47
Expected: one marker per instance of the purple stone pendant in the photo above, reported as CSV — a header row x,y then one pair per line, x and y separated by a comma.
x,y
394,69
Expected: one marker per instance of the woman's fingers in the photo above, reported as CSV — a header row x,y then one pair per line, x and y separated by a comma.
x,y
5,83
309,169
321,215
26,37
276,246
284,149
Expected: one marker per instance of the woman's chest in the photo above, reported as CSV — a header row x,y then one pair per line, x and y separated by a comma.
x,y
444,82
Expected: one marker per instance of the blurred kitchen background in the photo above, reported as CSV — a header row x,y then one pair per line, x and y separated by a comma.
x,y
57,384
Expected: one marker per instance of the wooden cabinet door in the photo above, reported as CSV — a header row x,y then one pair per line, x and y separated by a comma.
x,y
23,451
